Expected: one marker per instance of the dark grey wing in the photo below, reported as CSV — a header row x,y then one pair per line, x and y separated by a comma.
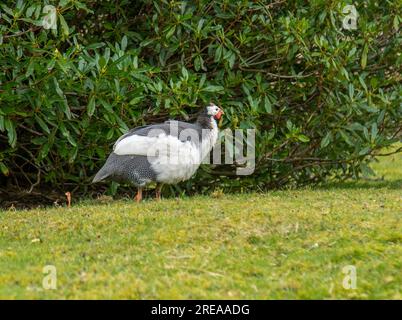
x,y
185,125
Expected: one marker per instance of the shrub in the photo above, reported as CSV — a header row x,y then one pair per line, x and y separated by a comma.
x,y
322,99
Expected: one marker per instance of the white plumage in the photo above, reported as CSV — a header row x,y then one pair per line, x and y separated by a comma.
x,y
172,160
167,153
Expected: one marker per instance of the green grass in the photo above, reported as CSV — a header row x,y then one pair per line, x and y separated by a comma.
x,y
283,244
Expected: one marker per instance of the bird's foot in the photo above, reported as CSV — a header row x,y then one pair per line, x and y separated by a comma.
x,y
158,192
138,196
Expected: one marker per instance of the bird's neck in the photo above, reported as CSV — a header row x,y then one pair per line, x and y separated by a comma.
x,y
205,121
209,134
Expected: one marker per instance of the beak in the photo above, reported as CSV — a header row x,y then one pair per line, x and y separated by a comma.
x,y
219,114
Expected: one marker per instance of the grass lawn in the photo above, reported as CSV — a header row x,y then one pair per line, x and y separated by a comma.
x,y
283,244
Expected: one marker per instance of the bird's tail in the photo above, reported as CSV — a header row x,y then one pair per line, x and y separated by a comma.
x,y
102,174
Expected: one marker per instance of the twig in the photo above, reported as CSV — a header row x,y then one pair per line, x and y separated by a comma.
x,y
21,33
31,130
36,183
281,76
389,153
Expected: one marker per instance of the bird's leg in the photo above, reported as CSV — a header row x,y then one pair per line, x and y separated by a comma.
x,y
138,196
158,191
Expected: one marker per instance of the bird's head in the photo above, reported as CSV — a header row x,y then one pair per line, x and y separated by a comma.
x,y
214,111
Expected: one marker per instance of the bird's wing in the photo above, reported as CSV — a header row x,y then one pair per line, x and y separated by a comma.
x,y
130,133
159,138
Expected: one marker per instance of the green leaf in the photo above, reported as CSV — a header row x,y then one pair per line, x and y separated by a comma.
x,y
253,103
346,137
396,23
267,105
366,134
44,151
136,100
63,3
2,128
42,124
110,134
184,72
352,52
113,188
93,46
231,60
91,106
123,126
289,125
326,140
218,54
64,106
107,105
364,151
57,87
351,91
170,31
7,10
4,170
82,6
11,133
374,131
361,80
366,170
364,56
30,69
202,80
212,88
123,43
200,24
39,140
197,63
64,130
102,62
303,138
64,25
71,140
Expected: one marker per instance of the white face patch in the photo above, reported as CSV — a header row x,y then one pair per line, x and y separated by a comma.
x,y
213,110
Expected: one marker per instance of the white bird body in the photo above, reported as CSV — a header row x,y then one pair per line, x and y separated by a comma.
x,y
166,153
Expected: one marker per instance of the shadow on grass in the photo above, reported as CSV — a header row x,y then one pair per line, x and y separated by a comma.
x,y
364,184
